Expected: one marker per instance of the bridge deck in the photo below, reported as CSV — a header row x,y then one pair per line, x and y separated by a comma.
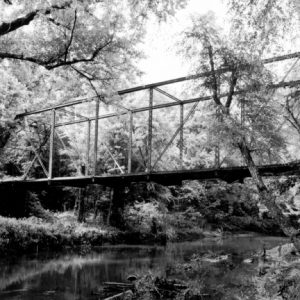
x,y
166,178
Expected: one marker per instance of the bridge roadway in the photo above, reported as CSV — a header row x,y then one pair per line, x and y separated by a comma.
x,y
229,174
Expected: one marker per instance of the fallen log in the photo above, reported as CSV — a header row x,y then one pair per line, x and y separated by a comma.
x,y
127,295
111,288
118,284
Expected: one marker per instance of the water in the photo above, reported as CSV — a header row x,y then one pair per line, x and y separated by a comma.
x,y
67,275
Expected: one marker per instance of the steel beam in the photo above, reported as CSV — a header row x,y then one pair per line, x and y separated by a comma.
x,y
130,129
167,94
188,101
88,142
29,168
217,146
51,152
204,74
229,174
74,114
96,137
59,106
181,136
150,123
35,151
157,84
113,158
175,134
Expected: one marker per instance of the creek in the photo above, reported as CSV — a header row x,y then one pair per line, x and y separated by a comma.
x,y
74,275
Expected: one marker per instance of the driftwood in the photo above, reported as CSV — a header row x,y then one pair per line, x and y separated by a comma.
x,y
125,291
116,290
118,284
127,295
116,287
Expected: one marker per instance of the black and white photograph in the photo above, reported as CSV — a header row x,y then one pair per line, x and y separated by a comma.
x,y
149,149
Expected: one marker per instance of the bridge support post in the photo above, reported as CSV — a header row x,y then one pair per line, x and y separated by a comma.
x,y
96,138
217,147
51,152
130,142
181,135
149,146
81,204
116,217
88,148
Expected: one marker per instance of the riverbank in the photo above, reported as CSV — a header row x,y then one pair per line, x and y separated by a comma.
x,y
34,234
28,235
154,214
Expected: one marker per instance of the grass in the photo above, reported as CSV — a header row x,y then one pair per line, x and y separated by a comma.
x,y
63,230
31,234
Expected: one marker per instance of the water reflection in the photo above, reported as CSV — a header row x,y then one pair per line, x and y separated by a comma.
x,y
74,276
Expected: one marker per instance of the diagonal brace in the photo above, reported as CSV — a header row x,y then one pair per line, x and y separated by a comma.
x,y
113,158
168,95
176,133
29,167
36,152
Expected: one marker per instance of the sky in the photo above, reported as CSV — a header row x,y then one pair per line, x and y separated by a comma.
x,y
162,62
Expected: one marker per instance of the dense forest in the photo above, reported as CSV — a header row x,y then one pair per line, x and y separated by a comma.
x,y
243,69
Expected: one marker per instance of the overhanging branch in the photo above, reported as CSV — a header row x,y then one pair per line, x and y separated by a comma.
x,y
53,63
7,27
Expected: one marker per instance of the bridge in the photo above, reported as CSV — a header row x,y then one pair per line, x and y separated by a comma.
x,y
85,112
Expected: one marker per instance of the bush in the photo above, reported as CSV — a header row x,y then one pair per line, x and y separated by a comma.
x,y
21,235
146,217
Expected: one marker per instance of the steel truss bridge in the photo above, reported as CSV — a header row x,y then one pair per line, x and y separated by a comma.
x,y
89,174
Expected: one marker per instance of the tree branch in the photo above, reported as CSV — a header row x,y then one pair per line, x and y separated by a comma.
x,y
91,83
71,36
85,75
53,63
58,24
6,28
59,63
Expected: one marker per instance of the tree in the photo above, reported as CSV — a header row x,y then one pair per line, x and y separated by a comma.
x,y
72,29
254,129
95,40
266,25
88,46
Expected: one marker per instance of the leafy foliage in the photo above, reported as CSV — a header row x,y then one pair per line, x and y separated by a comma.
x,y
252,113
262,25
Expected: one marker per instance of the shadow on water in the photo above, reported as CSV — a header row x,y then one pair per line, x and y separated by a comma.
x,y
74,276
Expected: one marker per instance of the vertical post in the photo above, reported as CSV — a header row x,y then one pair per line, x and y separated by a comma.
x,y
130,141
51,152
150,130
87,162
217,147
96,137
181,135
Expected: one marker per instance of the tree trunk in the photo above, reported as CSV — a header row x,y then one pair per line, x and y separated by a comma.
x,y
251,166
266,196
